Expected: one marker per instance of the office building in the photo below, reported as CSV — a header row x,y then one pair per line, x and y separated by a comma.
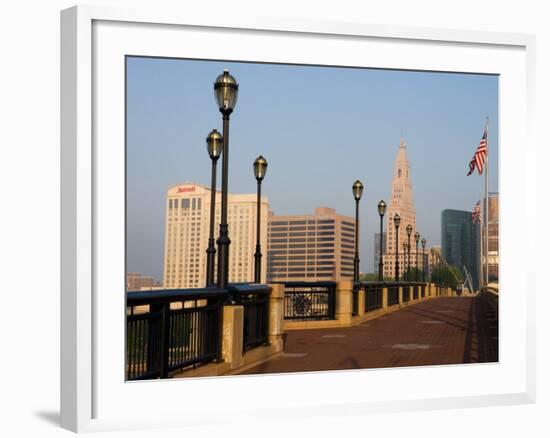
x,y
493,254
314,247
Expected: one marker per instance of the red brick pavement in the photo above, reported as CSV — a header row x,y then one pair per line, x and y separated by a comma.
x,y
439,331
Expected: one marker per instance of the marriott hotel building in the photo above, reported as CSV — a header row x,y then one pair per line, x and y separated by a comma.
x,y
312,247
187,231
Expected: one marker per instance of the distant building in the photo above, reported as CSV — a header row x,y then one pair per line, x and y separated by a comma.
x,y
187,232
312,247
136,281
494,259
401,203
460,242
377,249
433,254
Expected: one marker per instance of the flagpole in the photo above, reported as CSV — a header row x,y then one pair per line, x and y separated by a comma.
x,y
487,206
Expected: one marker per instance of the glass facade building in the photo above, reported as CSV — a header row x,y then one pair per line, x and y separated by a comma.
x,y
460,242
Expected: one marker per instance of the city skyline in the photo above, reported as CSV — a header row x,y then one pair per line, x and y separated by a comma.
x,y
314,154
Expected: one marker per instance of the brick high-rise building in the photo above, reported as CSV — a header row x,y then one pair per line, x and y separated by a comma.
x,y
318,246
136,281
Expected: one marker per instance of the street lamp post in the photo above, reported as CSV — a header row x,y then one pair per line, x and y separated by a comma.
x,y
423,260
409,232
214,146
396,222
406,265
260,168
381,212
357,190
225,90
416,239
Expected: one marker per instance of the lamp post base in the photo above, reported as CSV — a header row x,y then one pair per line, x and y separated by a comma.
x,y
223,256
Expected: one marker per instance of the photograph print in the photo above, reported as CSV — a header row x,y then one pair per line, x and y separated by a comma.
x,y
297,218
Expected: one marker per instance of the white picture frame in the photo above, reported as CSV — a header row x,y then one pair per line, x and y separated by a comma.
x,y
94,396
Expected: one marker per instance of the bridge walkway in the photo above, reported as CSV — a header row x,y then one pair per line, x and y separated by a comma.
x,y
447,330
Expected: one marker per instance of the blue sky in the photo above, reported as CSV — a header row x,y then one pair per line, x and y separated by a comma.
x,y
320,128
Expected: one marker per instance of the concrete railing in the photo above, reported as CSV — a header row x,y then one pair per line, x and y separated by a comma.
x,y
490,292
351,307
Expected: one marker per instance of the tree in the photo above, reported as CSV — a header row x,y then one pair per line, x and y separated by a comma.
x,y
412,274
373,276
449,276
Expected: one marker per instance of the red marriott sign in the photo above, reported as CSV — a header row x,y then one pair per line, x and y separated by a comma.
x,y
185,189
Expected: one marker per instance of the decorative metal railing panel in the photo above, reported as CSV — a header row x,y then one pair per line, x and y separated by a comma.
x,y
309,300
415,292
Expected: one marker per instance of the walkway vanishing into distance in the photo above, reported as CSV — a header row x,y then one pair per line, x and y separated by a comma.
x,y
446,330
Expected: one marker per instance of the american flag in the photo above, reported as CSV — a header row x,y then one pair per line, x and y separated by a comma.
x,y
476,214
479,157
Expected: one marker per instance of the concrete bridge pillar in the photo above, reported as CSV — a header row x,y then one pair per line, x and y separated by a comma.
x,y
232,343
344,301
276,315
360,302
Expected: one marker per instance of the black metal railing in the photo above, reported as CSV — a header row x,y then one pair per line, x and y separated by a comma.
x,y
406,291
373,295
306,300
170,330
255,300
393,293
143,340
415,291
423,291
